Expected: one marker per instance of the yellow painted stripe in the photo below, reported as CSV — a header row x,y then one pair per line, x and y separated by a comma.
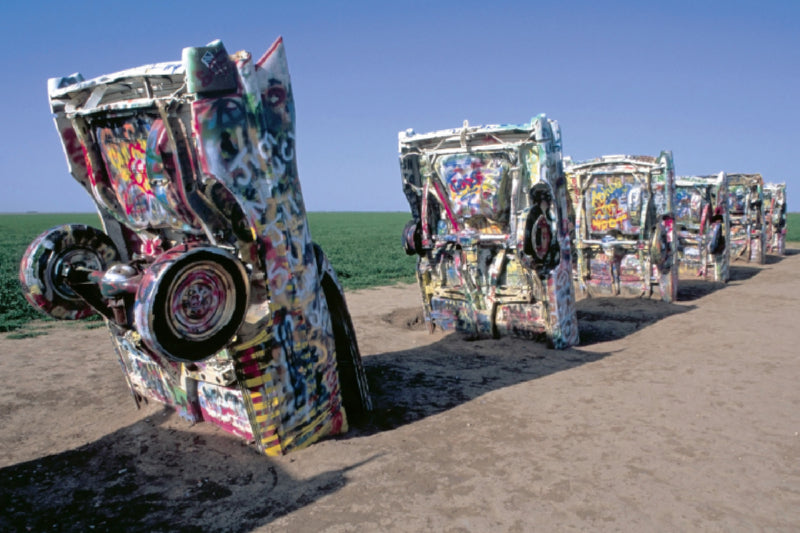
x,y
261,337
255,382
274,451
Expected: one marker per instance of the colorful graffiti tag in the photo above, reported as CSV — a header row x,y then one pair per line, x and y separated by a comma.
x,y
222,307
775,217
704,238
489,228
623,225
746,211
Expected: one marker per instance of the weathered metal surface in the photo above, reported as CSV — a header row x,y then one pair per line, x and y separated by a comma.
x,y
490,230
218,302
703,225
746,210
775,217
623,218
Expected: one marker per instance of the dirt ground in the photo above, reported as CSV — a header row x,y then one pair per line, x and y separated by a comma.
x,y
682,417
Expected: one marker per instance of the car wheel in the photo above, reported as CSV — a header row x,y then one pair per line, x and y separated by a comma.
x,y
716,241
540,243
412,238
191,302
48,259
352,379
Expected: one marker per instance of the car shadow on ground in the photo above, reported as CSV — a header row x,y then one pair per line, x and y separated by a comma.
x,y
409,385
773,259
147,477
742,272
612,318
694,289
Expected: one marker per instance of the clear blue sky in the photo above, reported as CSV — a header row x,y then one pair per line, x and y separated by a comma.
x,y
716,82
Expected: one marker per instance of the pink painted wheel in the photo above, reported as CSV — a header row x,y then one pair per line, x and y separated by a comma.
x,y
191,303
412,238
48,259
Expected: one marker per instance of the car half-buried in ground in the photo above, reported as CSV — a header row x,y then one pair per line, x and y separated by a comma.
x,y
490,230
218,302
624,231
746,212
701,214
775,217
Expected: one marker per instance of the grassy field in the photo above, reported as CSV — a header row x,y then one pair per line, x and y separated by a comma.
x,y
793,227
364,248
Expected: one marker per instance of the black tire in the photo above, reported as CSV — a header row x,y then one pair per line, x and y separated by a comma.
x,y
658,247
46,261
412,238
352,380
540,242
194,305
716,240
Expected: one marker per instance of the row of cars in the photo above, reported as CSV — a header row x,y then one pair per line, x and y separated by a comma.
x,y
507,231
220,305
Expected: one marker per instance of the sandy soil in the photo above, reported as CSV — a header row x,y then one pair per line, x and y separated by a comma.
x,y
680,417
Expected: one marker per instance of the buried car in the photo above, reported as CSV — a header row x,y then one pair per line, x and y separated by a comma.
x,y
490,231
624,230
701,214
775,217
217,300
746,212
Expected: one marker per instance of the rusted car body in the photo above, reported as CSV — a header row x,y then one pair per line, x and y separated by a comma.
x,y
703,226
624,232
775,217
217,300
746,211
490,230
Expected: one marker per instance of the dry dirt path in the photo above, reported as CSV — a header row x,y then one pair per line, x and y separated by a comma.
x,y
680,417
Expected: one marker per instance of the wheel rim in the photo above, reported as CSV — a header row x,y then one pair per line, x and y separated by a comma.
x,y
201,301
78,257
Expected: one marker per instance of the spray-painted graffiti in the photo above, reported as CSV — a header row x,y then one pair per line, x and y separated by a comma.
x,y
609,201
223,307
491,236
775,217
623,211
475,183
746,211
703,226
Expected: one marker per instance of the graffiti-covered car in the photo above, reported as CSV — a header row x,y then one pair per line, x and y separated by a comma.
x,y
746,211
218,302
775,217
701,216
624,231
490,231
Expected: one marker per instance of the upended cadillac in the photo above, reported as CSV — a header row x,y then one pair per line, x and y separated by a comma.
x,y
490,230
218,302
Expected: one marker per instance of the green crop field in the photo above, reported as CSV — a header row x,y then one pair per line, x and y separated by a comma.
x,y
793,227
364,248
